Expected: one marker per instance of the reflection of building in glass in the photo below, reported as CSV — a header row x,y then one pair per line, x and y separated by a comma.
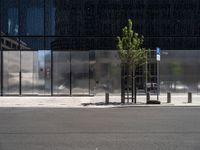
x,y
12,43
65,47
95,24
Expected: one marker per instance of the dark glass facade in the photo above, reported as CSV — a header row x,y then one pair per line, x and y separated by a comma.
x,y
47,45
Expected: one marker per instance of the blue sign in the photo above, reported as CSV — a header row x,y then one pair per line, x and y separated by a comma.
x,y
158,54
158,51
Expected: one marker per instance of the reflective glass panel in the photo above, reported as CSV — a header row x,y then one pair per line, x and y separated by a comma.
x,y
11,72
107,72
9,17
80,72
179,71
8,43
92,62
29,72
44,72
61,73
31,17
50,17
0,70
32,43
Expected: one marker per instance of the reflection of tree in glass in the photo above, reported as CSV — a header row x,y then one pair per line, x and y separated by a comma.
x,y
115,75
176,71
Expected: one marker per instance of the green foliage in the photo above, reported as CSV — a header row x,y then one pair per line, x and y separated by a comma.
x,y
175,69
129,46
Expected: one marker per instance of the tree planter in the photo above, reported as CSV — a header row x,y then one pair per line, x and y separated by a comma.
x,y
153,102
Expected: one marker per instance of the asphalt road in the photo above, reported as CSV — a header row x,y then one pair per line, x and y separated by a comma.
x,y
100,129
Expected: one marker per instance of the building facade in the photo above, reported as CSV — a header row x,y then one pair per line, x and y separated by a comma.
x,y
67,47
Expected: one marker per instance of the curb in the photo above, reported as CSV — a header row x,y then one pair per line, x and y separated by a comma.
x,y
142,105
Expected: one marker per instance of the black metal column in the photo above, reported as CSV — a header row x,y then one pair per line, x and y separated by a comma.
x,y
70,74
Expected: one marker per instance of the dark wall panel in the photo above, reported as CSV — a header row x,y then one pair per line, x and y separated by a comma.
x,y
91,24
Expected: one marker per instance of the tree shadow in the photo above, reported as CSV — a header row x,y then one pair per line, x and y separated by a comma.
x,y
101,104
111,103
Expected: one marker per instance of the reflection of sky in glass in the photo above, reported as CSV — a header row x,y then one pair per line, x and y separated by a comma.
x,y
42,54
51,11
52,19
35,21
13,21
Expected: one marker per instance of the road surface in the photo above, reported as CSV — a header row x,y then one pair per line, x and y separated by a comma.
x,y
141,128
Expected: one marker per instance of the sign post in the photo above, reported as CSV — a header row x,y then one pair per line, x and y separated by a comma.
x,y
158,71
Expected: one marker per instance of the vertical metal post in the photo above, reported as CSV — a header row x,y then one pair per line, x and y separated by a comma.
x,y
135,92
132,90
148,97
168,97
20,74
107,98
20,81
122,84
158,84
70,81
89,72
158,71
1,72
146,68
51,72
189,97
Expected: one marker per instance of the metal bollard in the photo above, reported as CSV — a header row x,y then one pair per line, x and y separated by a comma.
x,y
107,98
189,97
168,97
148,97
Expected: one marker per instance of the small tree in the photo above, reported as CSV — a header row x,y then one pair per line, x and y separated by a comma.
x,y
131,53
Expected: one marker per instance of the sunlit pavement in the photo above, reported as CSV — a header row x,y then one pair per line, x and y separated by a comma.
x,y
97,101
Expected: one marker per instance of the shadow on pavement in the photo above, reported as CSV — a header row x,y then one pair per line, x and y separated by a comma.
x,y
101,104
111,103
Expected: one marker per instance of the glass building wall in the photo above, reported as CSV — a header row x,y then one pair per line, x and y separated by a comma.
x,y
11,72
29,73
179,71
31,17
80,73
107,72
61,73
9,17
40,37
44,65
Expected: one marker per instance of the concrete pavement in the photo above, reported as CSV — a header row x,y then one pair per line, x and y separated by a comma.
x,y
93,102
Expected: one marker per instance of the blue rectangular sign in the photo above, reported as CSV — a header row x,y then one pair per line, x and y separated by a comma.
x,y
158,51
158,54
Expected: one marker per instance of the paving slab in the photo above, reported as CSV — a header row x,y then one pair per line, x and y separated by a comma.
x,y
97,101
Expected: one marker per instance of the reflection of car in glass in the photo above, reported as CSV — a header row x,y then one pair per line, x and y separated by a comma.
x,y
198,85
106,87
179,86
151,86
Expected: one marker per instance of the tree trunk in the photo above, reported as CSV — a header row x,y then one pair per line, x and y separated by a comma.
x,y
133,85
123,69
128,88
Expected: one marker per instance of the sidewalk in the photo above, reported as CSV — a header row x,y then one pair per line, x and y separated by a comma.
x,y
93,102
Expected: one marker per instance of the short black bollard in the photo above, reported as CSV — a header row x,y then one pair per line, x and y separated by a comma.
x,y
107,98
189,97
168,97
148,97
